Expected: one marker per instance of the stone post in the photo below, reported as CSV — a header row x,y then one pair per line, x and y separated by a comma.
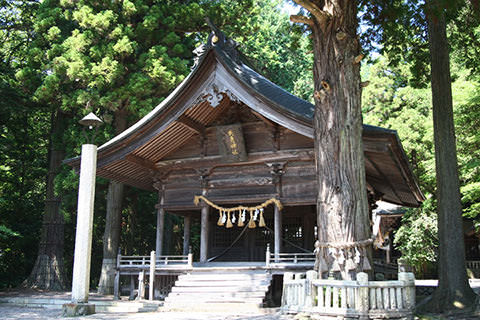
x,y
286,291
362,305
310,289
409,291
83,236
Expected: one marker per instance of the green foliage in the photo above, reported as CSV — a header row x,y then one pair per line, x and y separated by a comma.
x,y
417,238
281,51
390,101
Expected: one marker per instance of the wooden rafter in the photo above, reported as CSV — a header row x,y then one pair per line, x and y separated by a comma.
x,y
191,124
144,163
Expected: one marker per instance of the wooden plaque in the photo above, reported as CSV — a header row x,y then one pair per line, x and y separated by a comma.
x,y
231,143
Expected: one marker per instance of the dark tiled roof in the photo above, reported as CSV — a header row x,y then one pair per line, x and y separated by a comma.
x,y
261,85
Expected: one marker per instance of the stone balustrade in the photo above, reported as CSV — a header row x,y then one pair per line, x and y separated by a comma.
x,y
358,299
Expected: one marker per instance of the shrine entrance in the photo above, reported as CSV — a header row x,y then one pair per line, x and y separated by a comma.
x,y
244,244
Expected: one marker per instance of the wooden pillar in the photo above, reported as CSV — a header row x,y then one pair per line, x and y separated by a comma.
x,y
204,225
160,229
187,220
204,234
277,232
277,172
160,218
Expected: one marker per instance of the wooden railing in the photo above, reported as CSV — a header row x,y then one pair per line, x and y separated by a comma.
x,y
289,258
145,261
360,298
132,265
471,264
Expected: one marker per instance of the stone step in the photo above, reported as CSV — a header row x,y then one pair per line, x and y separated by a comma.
x,y
211,299
232,276
232,307
233,288
252,288
215,295
225,283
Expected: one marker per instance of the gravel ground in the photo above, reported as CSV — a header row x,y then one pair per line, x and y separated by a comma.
x,y
10,313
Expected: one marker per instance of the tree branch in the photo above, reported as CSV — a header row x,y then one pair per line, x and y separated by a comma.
x,y
298,18
319,14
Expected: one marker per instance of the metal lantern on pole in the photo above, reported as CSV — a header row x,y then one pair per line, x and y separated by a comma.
x,y
83,237
90,121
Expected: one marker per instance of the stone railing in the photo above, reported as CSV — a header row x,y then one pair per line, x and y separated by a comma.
x,y
360,299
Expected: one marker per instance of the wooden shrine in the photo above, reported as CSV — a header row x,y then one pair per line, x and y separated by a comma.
x,y
230,135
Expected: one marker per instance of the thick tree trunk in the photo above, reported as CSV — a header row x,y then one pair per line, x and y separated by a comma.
x,y
342,209
453,290
48,272
113,219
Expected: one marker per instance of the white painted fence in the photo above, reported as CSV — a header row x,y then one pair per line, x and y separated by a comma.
x,y
361,299
133,265
473,264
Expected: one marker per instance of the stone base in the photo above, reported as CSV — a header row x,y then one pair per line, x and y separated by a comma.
x,y
77,309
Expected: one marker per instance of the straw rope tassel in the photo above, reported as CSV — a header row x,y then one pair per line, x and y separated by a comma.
x,y
350,264
323,261
251,223
240,219
261,222
366,263
229,222
219,222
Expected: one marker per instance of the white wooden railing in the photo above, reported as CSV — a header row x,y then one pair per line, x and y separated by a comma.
x,y
361,298
129,265
288,258
145,261
473,265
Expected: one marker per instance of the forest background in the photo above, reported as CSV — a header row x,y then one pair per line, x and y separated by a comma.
x,y
61,59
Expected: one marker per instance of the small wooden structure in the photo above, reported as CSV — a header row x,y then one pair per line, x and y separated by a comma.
x,y
232,136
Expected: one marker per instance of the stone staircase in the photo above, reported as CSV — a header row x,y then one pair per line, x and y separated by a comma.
x,y
242,290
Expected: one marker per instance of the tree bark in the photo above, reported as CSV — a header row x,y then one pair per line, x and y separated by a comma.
x,y
48,272
453,291
113,219
342,209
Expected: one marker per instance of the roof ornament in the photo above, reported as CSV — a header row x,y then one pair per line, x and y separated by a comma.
x,y
216,39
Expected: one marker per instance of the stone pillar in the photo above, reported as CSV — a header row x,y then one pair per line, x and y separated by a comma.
x,y
83,236
362,304
409,292
187,220
204,233
277,232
